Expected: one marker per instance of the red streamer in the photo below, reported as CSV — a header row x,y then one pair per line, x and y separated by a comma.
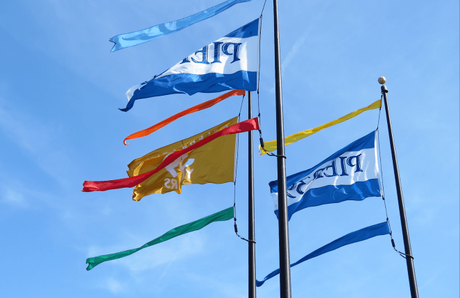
x,y
88,186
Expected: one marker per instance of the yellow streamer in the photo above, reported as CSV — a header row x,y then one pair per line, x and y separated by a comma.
x,y
271,145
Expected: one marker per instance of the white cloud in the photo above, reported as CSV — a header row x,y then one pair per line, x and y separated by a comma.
x,y
39,140
14,198
114,286
293,52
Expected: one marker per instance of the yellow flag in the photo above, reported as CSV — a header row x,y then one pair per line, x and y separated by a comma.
x,y
271,145
211,163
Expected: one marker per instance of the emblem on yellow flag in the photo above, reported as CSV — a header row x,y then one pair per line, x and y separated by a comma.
x,y
211,163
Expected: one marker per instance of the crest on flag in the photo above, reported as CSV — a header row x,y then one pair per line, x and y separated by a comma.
x,y
349,174
211,163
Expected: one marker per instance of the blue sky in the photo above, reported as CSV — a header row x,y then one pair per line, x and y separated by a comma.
x,y
60,90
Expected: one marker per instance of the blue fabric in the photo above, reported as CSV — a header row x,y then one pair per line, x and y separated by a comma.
x,y
365,142
191,84
341,177
248,30
218,66
356,236
335,194
134,38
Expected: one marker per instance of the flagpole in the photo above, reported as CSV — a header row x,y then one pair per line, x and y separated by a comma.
x,y
251,213
283,228
402,211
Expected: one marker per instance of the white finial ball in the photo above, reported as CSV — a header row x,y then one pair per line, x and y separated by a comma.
x,y
382,80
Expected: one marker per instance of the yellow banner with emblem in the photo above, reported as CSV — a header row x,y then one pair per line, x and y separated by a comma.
x,y
211,163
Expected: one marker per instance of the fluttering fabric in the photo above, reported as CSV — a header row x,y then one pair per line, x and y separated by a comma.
x,y
356,236
88,186
213,162
181,230
199,107
271,145
351,173
229,63
126,40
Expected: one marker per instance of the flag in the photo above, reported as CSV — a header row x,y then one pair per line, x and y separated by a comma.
x,y
210,163
349,174
353,237
191,110
138,37
271,145
229,63
88,186
184,229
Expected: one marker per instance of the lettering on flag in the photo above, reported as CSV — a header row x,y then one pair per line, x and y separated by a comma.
x,y
349,174
229,63
210,163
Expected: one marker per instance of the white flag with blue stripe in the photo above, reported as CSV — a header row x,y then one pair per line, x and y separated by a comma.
x,y
229,63
349,174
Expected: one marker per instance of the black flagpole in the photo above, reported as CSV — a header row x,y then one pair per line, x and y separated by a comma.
x,y
251,217
283,229
402,211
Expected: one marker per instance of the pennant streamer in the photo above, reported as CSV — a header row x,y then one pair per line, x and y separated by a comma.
x,y
184,229
271,145
356,236
138,37
88,186
194,109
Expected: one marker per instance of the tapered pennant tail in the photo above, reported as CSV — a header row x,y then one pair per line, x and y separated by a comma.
x,y
181,230
356,236
127,40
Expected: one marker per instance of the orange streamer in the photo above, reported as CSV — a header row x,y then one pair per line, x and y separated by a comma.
x,y
201,106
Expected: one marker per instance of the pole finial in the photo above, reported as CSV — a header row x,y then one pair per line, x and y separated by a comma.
x,y
382,80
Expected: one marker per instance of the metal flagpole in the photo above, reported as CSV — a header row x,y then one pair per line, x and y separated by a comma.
x,y
283,229
402,211
251,216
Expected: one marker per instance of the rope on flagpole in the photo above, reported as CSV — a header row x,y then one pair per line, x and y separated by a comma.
x,y
258,93
383,195
234,183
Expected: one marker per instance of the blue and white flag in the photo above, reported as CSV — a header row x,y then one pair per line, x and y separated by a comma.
x,y
229,63
125,40
349,174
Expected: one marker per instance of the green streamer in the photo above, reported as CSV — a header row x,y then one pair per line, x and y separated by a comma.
x,y
184,229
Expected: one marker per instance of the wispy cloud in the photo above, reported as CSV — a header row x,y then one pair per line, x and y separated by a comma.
x,y
293,52
113,285
13,197
39,140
